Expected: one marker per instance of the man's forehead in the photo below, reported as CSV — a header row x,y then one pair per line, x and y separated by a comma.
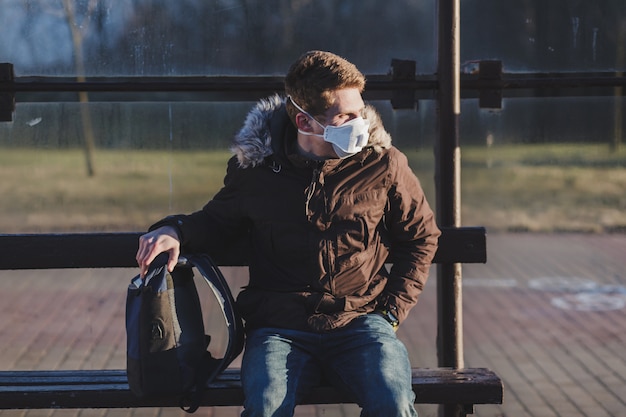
x,y
346,101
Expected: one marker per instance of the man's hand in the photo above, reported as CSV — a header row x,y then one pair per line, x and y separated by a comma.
x,y
163,239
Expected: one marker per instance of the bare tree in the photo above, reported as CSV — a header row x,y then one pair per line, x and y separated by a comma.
x,y
77,31
620,61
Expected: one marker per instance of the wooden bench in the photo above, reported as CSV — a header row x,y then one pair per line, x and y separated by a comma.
x,y
460,389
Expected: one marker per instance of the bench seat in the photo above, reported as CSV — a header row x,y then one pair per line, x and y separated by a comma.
x,y
109,389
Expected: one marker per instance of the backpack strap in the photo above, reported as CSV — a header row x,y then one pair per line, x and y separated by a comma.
x,y
212,367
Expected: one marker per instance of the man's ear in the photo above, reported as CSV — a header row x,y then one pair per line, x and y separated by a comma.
x,y
303,123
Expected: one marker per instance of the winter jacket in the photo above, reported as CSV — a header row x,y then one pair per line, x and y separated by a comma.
x,y
320,233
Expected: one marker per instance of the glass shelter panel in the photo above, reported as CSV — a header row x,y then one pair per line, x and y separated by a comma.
x,y
545,165
136,162
216,37
536,35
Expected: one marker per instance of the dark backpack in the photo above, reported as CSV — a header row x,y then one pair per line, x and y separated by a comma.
x,y
166,342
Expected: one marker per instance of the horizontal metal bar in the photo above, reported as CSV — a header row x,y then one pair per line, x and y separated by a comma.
x,y
166,84
265,84
541,81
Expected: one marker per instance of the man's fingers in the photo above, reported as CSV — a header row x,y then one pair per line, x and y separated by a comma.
x,y
143,253
173,260
154,243
152,253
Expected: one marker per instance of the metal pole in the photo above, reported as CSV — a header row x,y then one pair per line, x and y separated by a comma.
x,y
448,178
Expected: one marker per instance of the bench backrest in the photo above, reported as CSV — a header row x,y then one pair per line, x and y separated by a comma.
x,y
117,250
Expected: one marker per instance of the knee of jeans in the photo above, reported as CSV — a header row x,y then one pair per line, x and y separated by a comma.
x,y
268,404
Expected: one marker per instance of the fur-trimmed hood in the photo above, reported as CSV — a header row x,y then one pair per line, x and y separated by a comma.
x,y
254,142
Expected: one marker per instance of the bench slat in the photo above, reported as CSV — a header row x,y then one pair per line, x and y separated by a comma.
x,y
117,250
109,389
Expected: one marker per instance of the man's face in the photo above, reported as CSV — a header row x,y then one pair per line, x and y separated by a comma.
x,y
347,105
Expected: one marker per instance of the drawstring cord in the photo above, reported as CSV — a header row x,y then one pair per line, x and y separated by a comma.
x,y
276,167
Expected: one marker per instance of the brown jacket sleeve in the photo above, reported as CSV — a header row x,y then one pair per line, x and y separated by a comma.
x,y
414,237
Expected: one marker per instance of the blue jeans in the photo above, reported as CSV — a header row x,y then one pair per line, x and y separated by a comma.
x,y
365,358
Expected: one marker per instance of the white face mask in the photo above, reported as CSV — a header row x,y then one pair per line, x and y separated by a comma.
x,y
347,139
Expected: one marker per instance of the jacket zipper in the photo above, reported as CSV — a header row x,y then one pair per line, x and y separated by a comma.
x,y
310,191
316,179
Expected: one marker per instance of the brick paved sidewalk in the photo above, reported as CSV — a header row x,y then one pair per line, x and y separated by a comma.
x,y
547,313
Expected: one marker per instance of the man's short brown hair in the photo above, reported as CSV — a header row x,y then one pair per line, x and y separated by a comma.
x,y
314,75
